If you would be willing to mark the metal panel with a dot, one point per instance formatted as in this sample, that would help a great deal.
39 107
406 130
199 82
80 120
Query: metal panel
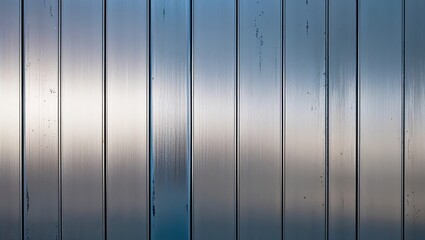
260 119
127 179
304 168
10 120
170 119
342 118
380 119
214 118
41 201
81 119
415 120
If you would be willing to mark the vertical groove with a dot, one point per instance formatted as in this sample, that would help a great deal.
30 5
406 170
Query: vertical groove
191 82
357 122
148 149
327 119
283 114
59 117
189 123
403 111
104 121
237 120
149 126
22 118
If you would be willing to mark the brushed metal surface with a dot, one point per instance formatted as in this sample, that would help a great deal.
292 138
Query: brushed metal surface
170 148
380 119
260 119
82 119
10 120
214 119
342 119
414 198
41 148
126 82
304 168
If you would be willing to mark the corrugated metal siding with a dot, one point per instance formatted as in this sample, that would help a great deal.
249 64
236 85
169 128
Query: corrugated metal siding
200 119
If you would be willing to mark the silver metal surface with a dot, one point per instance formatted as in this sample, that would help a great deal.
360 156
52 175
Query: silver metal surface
304 169
82 119
260 119
221 119
414 154
10 120
214 119
127 166
342 119
380 119
170 119
41 58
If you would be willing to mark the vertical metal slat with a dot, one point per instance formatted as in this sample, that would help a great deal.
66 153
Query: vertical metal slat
380 95
10 119
305 213
414 198
170 119
82 119
214 116
41 205
342 118
260 119
126 109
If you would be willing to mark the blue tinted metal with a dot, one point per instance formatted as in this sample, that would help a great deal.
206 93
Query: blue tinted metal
380 119
170 119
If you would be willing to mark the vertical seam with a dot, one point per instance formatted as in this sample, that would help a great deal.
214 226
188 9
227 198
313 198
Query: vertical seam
59 115
283 114
104 121
358 99
327 119
237 210
191 81
22 184
147 91
403 111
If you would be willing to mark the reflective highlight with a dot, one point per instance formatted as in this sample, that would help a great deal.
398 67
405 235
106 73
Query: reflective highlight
127 183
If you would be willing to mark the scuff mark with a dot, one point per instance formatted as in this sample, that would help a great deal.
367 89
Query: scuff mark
28 200
260 40
51 11
306 28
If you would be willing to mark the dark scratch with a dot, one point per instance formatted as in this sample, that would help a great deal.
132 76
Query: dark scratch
28 200
306 27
